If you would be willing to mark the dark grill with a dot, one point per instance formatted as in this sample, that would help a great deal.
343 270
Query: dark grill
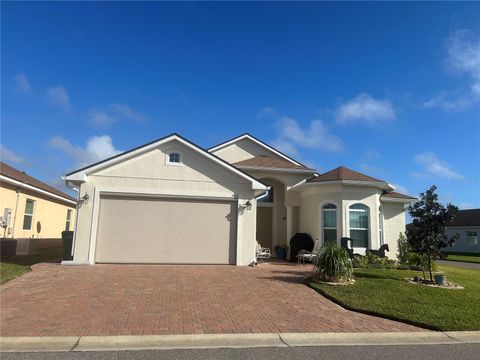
300 241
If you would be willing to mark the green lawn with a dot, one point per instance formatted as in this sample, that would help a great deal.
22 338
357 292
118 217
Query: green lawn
12 268
385 293
465 258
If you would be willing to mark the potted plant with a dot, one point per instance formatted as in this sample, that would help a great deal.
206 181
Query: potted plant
281 251
440 278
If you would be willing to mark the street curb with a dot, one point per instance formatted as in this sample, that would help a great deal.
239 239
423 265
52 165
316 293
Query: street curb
212 341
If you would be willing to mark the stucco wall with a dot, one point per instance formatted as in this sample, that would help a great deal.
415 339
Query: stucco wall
461 245
242 150
149 174
393 225
311 216
343 196
51 214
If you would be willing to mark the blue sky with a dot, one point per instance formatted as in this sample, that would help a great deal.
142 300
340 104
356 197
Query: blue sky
388 89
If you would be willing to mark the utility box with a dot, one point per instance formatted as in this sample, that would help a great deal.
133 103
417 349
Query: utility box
27 246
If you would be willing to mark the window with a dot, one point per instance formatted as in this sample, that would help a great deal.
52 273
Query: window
69 217
174 158
28 217
472 238
329 223
358 215
268 198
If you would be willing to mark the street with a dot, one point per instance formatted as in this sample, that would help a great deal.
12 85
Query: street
424 352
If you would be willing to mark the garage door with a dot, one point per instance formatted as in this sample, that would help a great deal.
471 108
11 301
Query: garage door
168 231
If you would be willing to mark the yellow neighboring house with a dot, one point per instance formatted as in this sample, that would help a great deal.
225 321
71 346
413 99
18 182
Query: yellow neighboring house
35 209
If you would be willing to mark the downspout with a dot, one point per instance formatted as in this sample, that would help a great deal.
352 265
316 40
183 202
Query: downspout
69 184
15 214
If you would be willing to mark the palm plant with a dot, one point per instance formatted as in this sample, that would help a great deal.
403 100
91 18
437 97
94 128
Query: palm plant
333 263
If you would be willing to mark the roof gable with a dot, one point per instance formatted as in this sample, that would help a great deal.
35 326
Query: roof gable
267 149
80 175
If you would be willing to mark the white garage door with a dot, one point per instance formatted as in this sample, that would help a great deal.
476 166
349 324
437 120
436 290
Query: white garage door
166 231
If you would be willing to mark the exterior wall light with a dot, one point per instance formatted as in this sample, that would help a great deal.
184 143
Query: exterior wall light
85 198
248 205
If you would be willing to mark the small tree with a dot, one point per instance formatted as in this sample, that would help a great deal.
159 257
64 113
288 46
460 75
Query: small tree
427 235
403 249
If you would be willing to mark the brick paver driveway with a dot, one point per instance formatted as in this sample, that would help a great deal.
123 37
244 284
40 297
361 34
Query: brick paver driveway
55 300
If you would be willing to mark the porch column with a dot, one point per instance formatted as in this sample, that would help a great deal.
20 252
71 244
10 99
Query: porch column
290 223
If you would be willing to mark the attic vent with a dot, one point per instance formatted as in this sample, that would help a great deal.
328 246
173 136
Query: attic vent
263 156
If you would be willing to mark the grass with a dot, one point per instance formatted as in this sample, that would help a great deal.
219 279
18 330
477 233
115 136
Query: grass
20 264
384 293
464 258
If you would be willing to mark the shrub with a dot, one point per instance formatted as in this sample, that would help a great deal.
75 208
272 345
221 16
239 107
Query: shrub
403 249
333 263
372 261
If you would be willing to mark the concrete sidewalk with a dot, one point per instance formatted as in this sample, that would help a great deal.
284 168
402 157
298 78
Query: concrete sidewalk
212 341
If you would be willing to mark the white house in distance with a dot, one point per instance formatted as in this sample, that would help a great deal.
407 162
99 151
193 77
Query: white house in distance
171 201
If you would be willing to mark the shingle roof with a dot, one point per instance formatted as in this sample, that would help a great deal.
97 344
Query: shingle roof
268 162
21 176
470 217
343 173
396 195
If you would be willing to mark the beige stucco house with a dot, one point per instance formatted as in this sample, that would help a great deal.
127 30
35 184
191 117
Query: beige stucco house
171 201
32 209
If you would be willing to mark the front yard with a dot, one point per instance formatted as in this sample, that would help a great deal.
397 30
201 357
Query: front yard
385 293
20 264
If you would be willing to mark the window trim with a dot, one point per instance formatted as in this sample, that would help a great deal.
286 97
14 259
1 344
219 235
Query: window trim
31 215
68 220
365 209
173 163
323 210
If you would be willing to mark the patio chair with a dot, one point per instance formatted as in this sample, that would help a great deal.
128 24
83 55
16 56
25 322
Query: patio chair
262 253
304 255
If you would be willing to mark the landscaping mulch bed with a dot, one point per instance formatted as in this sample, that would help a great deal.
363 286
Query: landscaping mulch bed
448 284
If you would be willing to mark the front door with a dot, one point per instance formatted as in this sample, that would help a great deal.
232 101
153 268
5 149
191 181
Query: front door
264 226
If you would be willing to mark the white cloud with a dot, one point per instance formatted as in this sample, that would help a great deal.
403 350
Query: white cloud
433 166
268 111
316 136
114 113
9 156
22 84
463 57
58 96
369 169
97 148
101 118
463 48
449 103
365 108
128 113
401 189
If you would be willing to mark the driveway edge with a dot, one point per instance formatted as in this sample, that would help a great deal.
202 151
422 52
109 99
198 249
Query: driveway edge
211 341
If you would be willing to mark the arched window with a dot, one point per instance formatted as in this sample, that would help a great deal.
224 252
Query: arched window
358 216
329 223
